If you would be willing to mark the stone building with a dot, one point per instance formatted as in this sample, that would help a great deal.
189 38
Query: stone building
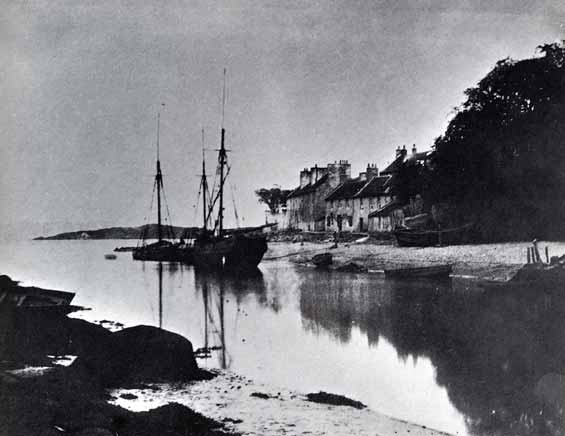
306 206
349 205
391 214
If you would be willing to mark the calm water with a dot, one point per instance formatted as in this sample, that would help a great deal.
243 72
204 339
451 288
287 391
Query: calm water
442 355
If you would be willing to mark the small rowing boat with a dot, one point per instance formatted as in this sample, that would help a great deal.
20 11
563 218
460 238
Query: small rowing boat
322 260
435 271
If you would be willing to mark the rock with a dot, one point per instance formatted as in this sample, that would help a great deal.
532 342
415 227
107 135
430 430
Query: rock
260 395
140 354
129 396
335 400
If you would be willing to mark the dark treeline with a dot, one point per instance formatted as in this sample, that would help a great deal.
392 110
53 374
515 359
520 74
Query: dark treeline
501 161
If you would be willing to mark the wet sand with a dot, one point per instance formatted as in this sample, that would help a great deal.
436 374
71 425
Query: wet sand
228 399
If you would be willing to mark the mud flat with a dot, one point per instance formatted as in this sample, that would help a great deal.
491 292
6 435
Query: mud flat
481 261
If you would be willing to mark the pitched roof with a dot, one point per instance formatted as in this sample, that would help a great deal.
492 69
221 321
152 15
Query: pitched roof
347 189
391 205
378 185
394 166
310 187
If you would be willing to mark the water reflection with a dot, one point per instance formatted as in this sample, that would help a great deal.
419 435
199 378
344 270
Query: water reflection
491 351
215 290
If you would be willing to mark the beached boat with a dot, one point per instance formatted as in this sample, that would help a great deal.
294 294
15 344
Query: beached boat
14 295
433 271
163 250
428 238
218 249
322 260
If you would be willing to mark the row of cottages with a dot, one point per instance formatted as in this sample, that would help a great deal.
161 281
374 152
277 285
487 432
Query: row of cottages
306 205
328 199
348 207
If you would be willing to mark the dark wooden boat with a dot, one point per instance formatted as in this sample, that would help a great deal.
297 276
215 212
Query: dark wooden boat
435 271
429 238
230 252
322 260
14 295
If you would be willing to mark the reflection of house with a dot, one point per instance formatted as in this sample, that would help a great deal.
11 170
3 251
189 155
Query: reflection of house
306 206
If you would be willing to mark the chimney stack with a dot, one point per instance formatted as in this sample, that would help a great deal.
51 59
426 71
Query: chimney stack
372 171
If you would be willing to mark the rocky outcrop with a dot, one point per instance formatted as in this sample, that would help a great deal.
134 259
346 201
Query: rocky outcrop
141 354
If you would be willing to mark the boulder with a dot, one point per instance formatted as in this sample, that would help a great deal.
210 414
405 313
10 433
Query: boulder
140 354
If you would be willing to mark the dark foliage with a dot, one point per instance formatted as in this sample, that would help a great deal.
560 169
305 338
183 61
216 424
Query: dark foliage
501 161
274 198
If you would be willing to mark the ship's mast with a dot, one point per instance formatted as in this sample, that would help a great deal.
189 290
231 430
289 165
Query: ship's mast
204 185
222 162
159 182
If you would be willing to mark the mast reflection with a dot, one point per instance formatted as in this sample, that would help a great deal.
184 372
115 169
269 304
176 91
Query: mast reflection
214 290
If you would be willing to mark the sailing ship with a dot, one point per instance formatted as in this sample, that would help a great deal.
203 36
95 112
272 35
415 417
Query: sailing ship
220 250
163 250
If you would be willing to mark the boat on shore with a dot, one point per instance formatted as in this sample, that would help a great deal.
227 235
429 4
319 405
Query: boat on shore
406 237
322 260
12 295
433 271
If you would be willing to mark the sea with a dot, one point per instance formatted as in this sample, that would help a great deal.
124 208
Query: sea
446 355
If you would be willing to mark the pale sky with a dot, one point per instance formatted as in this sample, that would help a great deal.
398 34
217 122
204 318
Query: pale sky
308 82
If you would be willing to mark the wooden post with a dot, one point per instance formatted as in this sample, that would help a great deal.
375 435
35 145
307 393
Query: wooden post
547 254
537 257
528 254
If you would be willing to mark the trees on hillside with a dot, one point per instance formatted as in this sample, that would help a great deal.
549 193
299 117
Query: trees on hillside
501 161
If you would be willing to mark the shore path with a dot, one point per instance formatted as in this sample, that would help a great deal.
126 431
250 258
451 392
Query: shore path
481 261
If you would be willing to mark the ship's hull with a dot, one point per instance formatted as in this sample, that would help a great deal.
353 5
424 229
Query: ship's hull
164 253
430 238
238 252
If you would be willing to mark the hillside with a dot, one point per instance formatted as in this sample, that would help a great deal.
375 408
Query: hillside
150 231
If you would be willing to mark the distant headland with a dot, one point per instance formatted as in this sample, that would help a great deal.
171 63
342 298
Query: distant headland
148 230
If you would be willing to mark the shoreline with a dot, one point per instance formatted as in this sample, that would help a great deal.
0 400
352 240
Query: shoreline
497 262
54 397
